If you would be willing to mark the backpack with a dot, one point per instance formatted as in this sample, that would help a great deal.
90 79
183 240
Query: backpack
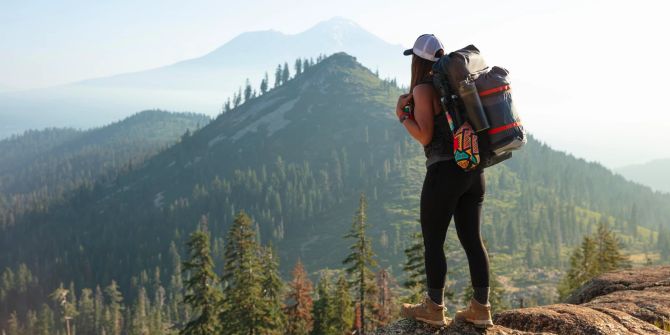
502 130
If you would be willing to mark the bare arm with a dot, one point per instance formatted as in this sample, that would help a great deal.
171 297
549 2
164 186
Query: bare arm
421 128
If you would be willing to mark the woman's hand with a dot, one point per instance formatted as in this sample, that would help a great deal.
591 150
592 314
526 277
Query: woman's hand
403 100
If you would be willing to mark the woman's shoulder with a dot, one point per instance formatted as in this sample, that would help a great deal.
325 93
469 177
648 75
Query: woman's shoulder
423 90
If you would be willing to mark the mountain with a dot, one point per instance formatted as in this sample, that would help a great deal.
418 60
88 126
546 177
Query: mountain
40 166
200 84
296 159
653 174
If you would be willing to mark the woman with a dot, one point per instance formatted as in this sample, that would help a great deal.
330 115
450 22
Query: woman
447 191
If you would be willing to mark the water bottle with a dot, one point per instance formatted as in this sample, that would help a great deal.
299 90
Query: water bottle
474 110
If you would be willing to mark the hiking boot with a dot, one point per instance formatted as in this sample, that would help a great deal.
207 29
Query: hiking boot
427 311
477 314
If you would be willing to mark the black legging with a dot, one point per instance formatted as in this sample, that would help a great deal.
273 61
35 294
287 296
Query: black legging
448 190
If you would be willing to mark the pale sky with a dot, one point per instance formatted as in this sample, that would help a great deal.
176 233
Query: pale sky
599 63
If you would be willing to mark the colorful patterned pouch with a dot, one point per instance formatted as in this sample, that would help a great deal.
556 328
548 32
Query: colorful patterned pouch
466 145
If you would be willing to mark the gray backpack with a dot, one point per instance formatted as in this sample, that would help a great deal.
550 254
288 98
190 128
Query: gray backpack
497 123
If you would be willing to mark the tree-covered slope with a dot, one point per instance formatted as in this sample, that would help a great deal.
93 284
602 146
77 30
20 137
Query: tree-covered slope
40 166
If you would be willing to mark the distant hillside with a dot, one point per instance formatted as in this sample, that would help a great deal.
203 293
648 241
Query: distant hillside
296 158
201 84
44 164
655 174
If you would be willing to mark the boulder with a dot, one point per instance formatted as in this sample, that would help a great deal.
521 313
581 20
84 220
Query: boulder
634 301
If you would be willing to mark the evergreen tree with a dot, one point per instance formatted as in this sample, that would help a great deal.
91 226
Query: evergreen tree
360 263
176 310
264 84
247 90
31 322
285 74
299 306
414 268
114 313
201 293
597 254
322 308
237 98
274 319
243 303
278 76
139 325
608 250
45 321
66 307
13 325
342 307
298 66
86 319
227 106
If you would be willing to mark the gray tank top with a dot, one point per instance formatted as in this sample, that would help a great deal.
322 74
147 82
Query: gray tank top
441 146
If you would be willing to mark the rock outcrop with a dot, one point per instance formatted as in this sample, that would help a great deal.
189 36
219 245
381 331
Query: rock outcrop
635 301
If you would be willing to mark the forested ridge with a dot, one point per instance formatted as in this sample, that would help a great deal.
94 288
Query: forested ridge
40 167
295 157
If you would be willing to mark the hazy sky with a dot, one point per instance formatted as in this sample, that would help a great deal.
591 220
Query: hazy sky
600 63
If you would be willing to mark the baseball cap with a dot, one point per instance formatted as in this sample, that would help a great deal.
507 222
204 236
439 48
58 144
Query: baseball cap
426 46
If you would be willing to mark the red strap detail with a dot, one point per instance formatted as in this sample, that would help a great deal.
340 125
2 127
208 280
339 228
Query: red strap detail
496 130
494 90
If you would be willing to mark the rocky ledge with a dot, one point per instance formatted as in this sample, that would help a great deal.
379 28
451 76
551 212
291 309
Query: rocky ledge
635 301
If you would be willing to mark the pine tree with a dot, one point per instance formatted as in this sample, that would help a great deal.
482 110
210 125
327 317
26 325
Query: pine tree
274 319
176 310
285 74
45 321
86 319
278 77
360 263
31 323
247 90
66 307
114 322
322 307
201 293
226 106
598 253
243 304
342 307
298 66
264 84
13 325
237 98
299 306
608 251
138 325
414 268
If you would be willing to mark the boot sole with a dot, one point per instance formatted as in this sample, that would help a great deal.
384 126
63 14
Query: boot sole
432 322
484 324
481 323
